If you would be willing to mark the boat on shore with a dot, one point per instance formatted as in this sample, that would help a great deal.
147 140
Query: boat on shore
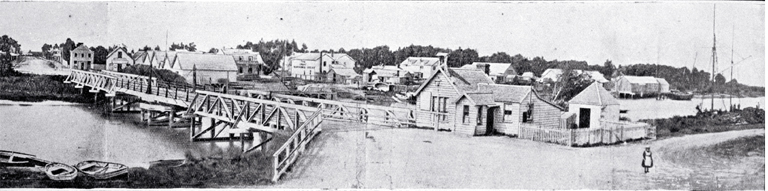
677 95
167 163
101 170
17 159
61 172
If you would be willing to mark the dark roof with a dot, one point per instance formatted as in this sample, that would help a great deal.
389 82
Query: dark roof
140 55
120 48
469 78
481 98
506 93
594 94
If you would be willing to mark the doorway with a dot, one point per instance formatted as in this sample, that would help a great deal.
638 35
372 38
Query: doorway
584 117
489 123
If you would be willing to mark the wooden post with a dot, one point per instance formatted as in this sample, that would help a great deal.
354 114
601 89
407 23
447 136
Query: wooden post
142 114
114 102
170 118
149 118
213 130
242 142
192 128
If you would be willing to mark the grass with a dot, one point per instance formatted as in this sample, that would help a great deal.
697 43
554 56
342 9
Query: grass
741 147
709 122
36 88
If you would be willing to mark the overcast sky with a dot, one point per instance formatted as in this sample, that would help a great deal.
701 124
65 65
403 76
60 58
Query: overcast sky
670 33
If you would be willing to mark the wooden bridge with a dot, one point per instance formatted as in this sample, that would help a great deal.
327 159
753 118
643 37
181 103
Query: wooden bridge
259 117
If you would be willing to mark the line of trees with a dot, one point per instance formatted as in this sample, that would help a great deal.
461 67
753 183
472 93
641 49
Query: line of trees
8 45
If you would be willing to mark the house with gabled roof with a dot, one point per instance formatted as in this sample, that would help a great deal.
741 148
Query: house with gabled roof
637 86
118 59
499 72
422 67
81 58
343 76
467 101
315 66
593 105
205 68
248 61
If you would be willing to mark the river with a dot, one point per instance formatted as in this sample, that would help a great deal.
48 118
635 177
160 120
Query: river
69 133
652 108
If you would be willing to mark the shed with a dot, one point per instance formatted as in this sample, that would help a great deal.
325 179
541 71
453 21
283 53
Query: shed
592 105
663 85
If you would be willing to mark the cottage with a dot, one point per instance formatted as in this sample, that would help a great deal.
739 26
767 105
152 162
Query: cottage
140 58
209 68
81 58
118 59
637 86
468 102
342 76
248 62
551 75
314 66
499 72
387 74
592 105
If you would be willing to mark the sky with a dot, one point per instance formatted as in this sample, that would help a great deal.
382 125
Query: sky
670 33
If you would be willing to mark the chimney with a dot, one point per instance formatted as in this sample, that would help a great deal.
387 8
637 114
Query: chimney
443 64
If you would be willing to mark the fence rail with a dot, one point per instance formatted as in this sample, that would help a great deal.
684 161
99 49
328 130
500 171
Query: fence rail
287 154
609 133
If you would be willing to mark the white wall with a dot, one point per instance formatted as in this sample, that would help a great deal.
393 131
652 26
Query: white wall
594 114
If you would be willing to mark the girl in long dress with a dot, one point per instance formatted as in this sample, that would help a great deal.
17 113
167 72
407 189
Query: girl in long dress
647 159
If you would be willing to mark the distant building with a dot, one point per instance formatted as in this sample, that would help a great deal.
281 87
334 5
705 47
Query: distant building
554 74
639 86
343 76
118 59
81 58
248 62
56 55
387 74
593 105
499 72
315 66
209 68
421 67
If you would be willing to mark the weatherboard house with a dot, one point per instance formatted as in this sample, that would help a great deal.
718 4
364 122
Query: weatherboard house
205 68
81 58
118 59
466 101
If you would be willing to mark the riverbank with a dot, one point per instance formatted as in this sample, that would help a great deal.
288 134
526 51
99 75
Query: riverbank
709 122
38 88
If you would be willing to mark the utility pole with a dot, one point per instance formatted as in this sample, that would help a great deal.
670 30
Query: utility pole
714 58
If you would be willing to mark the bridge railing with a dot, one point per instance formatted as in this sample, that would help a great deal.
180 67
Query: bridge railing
287 154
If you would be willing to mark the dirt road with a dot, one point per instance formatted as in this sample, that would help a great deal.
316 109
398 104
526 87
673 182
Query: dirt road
351 157
41 66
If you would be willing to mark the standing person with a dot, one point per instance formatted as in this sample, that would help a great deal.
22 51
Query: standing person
647 159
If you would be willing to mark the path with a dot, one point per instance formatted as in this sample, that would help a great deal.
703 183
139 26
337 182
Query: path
40 66
346 157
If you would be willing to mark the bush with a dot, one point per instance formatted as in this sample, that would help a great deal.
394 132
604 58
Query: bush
161 74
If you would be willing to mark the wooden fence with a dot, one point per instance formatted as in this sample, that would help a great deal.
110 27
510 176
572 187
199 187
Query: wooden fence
609 133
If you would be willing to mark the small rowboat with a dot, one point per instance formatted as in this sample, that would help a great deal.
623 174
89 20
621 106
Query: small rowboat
101 170
17 159
167 163
59 171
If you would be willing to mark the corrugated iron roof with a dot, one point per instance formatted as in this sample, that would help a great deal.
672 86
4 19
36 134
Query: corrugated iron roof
506 93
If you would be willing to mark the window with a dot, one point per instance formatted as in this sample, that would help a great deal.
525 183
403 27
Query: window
240 70
240 58
480 115
432 103
421 67
528 114
465 116
119 54
439 104
507 115
325 63
89 54
250 70
250 58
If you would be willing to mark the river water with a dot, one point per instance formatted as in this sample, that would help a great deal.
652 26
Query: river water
70 133
652 108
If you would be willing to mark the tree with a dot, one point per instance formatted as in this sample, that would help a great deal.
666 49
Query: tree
719 79
191 47
46 47
66 48
213 51
7 45
569 85
99 55
157 48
